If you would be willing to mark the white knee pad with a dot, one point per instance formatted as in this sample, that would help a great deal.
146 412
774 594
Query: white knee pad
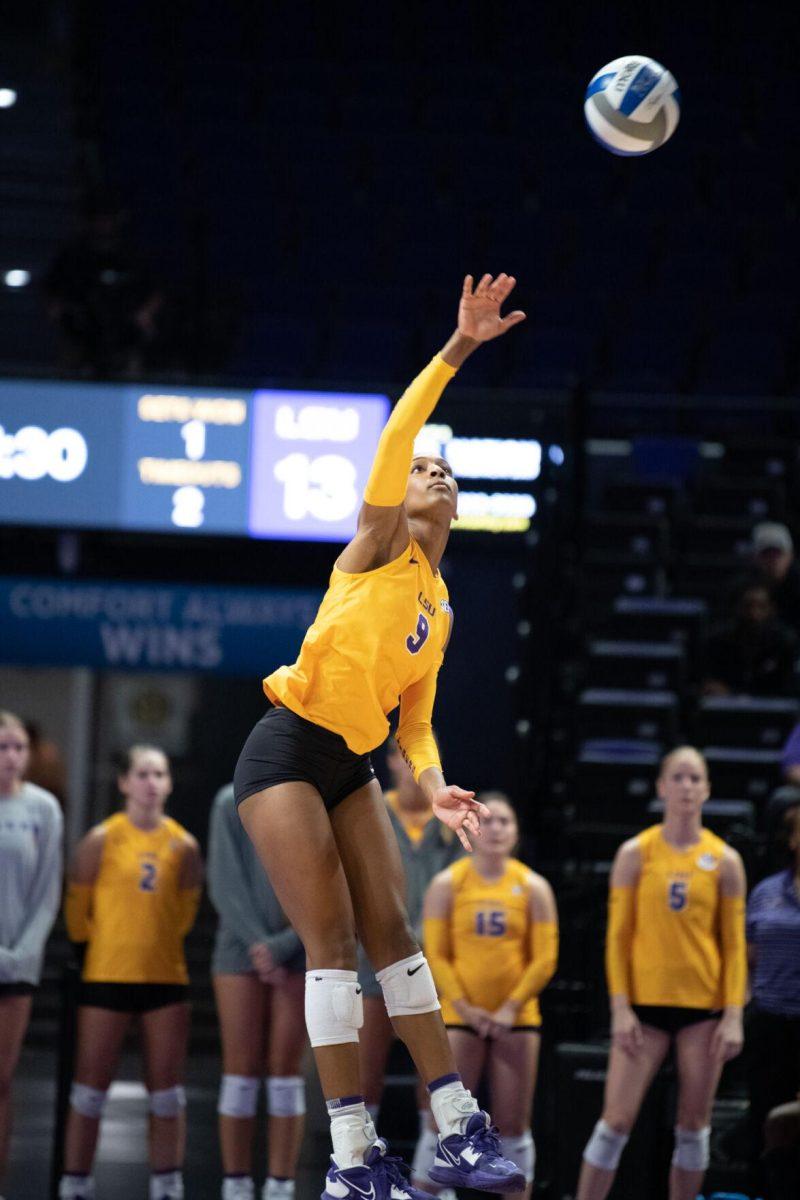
408 987
238 1096
334 1007
605 1146
424 1153
88 1101
522 1151
168 1102
691 1151
286 1095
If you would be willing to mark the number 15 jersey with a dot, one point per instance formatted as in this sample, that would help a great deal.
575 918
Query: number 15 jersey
136 921
675 954
375 634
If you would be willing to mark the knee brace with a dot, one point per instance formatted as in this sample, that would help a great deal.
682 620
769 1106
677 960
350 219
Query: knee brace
168 1102
238 1096
286 1095
605 1146
522 1151
691 1151
88 1101
424 1153
334 1007
408 987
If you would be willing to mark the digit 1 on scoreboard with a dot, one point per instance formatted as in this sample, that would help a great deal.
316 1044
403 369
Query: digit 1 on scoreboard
194 439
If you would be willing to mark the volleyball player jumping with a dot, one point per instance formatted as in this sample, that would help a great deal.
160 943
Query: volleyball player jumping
310 802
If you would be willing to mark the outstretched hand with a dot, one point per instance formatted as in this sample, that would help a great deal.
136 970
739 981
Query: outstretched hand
479 311
459 811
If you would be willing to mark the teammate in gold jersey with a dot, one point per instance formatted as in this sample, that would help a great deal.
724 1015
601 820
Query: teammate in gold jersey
133 895
677 969
491 935
314 811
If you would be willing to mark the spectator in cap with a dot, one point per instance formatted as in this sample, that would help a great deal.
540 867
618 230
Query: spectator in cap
754 653
776 566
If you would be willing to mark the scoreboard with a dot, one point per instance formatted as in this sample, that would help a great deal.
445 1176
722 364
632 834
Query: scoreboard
272 464
218 461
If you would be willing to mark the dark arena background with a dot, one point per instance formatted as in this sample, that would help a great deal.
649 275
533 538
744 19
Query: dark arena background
229 235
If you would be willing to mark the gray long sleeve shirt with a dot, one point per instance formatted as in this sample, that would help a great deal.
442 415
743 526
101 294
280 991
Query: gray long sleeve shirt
31 835
239 888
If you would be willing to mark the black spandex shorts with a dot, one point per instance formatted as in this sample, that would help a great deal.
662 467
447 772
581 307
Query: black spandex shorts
132 997
16 989
284 748
671 1019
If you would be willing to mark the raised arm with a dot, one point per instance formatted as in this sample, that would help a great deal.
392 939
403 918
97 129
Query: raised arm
382 527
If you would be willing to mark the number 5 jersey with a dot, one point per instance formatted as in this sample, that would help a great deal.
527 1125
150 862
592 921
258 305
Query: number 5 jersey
138 917
676 955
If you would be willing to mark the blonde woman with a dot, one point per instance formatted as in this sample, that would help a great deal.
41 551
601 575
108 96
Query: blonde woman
676 966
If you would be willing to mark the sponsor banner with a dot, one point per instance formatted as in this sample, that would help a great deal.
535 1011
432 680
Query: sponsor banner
152 626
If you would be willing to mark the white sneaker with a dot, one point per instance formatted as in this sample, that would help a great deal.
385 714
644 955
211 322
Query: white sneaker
278 1189
240 1188
448 1194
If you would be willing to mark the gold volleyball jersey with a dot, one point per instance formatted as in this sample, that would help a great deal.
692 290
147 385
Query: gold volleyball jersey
675 953
136 917
374 635
490 937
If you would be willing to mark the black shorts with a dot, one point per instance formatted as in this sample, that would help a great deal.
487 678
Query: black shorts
16 989
132 997
285 748
671 1019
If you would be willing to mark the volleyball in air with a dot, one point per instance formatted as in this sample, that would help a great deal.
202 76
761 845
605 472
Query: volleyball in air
632 105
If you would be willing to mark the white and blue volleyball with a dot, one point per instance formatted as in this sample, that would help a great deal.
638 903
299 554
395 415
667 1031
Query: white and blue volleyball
632 105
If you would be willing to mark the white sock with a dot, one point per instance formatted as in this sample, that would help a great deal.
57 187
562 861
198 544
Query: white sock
238 1187
372 1109
166 1185
278 1189
424 1153
72 1186
452 1106
352 1131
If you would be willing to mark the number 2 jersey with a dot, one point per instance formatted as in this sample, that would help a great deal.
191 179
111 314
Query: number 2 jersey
137 906
490 938
676 954
375 634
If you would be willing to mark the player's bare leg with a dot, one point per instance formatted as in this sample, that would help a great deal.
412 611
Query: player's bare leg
377 885
243 1009
15 1014
287 1041
165 1035
629 1076
513 1067
101 1034
698 1076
